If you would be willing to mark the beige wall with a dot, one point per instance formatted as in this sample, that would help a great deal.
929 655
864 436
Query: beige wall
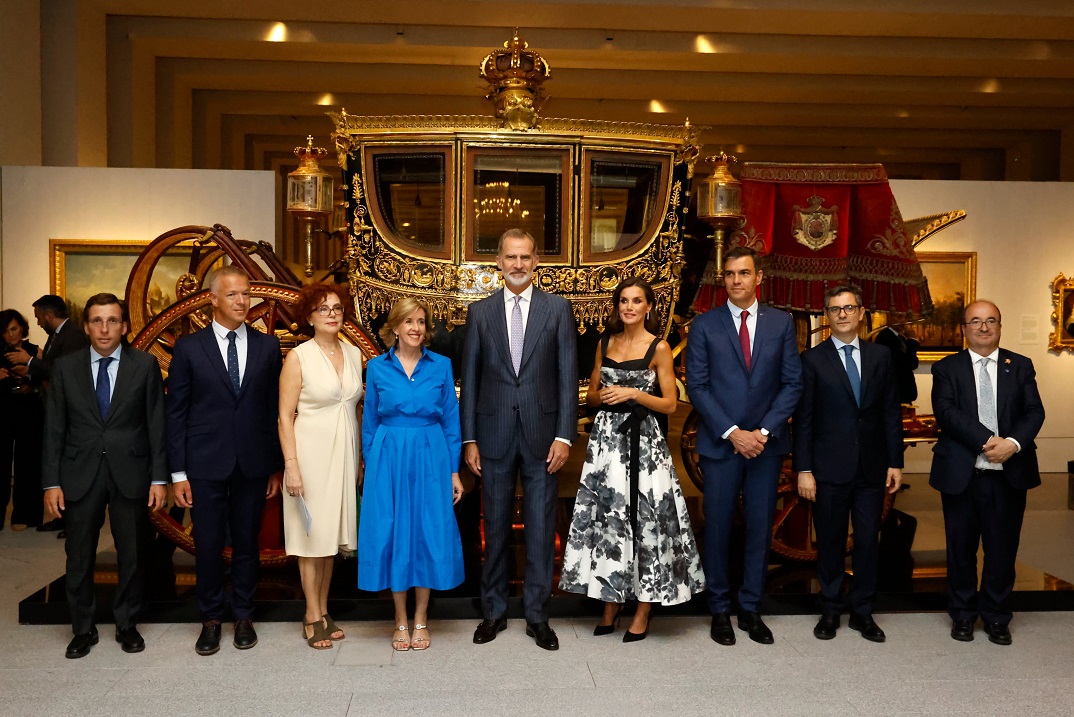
42 203
1021 233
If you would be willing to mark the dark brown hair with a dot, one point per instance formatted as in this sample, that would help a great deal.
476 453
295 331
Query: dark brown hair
842 289
312 296
615 324
9 315
738 252
103 299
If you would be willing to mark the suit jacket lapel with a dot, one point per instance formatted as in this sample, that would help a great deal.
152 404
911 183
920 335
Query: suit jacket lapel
759 335
1003 384
212 354
498 320
724 316
969 382
868 367
254 346
124 380
535 323
84 379
835 361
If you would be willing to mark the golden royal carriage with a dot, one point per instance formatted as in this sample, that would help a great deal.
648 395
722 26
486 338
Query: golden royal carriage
427 198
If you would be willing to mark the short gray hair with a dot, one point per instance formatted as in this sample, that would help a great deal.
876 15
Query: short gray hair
221 272
514 234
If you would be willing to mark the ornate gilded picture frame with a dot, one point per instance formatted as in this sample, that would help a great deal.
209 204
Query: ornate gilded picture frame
80 268
1062 337
952 277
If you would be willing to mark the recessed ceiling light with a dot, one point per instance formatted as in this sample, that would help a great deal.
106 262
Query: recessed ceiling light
278 33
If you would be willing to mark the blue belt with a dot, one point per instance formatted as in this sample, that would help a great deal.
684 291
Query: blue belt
408 421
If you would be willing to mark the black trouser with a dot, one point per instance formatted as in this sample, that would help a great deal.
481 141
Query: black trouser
859 502
20 444
989 513
129 521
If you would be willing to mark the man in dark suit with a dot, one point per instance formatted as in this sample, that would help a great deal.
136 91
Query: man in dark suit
519 416
104 448
744 378
224 450
64 337
847 450
989 412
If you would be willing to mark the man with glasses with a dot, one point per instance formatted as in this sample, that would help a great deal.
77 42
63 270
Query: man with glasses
104 448
988 410
847 451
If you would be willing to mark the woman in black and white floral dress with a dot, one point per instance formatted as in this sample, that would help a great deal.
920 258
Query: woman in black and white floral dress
630 537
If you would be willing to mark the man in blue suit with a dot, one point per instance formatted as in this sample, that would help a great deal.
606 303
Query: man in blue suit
224 449
744 378
519 411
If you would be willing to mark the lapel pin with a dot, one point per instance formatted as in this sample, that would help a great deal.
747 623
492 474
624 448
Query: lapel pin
1006 360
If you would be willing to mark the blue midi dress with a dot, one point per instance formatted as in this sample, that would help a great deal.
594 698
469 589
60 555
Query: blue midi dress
407 534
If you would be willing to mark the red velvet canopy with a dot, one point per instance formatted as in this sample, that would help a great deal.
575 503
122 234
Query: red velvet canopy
821 225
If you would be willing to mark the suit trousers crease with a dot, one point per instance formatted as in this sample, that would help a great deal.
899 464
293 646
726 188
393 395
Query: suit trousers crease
129 522
232 506
858 503
989 514
756 479
539 493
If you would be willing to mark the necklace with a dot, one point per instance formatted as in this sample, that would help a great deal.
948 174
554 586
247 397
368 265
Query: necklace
323 349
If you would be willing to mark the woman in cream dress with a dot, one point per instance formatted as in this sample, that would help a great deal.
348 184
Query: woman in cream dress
320 386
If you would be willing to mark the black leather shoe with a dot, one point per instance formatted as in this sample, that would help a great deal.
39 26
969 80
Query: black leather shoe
962 630
80 645
245 637
721 631
826 627
752 623
543 635
209 641
50 526
866 625
130 639
998 634
488 629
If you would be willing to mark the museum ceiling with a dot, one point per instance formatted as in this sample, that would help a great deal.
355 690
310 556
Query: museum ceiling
973 89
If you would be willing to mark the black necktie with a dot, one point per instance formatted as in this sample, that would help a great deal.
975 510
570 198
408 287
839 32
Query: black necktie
233 360
104 386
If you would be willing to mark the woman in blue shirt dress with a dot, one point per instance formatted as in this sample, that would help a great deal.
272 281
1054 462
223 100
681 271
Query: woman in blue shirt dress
407 534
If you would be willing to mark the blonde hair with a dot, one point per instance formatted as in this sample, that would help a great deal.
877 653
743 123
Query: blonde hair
400 310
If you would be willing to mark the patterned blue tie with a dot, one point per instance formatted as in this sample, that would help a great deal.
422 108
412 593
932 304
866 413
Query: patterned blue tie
233 360
517 337
852 373
104 386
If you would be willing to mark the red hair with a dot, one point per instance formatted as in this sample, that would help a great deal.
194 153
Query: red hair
312 296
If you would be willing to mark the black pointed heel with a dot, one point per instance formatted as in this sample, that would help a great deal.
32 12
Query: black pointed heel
609 629
629 636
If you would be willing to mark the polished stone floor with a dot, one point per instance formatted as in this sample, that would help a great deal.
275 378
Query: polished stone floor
678 670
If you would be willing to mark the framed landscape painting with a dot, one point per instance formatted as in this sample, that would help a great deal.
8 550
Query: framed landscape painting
952 277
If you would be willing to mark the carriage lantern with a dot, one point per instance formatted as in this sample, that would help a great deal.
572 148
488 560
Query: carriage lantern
309 194
719 201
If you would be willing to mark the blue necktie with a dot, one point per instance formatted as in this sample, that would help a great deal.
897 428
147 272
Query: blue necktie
852 373
233 360
104 386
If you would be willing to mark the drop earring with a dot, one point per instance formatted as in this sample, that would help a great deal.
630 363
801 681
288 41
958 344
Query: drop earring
647 315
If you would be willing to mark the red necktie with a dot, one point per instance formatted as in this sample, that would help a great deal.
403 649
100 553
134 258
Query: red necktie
744 339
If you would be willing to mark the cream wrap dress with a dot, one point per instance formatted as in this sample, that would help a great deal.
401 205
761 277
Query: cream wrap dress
328 441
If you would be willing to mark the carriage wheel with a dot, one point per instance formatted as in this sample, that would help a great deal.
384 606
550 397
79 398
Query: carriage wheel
194 312
792 526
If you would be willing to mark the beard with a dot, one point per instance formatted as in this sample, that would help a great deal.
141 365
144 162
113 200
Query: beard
518 282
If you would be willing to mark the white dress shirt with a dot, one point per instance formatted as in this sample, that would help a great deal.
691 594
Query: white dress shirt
993 373
524 307
855 354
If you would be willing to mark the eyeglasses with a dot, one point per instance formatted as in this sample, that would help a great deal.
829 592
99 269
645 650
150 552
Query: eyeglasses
978 323
329 310
836 310
98 322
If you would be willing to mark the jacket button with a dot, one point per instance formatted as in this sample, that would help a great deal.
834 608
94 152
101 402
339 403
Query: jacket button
515 407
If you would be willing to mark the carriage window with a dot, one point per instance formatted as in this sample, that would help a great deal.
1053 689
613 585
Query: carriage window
518 191
622 202
410 191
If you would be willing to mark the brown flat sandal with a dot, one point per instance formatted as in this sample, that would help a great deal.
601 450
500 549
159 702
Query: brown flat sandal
401 641
319 635
332 628
423 640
